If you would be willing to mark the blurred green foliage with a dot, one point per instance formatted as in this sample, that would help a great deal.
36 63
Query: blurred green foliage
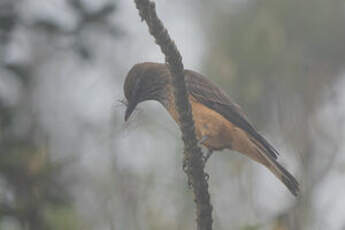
63 218
251 227
34 193
32 186
270 46
31 182
280 60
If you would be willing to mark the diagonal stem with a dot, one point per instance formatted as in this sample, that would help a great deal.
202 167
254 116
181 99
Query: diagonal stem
192 153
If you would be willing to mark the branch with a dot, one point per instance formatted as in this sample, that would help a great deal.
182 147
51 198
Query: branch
192 153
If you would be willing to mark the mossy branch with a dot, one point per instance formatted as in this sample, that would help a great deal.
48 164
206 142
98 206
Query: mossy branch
192 153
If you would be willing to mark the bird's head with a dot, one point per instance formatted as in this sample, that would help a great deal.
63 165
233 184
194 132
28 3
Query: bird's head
145 81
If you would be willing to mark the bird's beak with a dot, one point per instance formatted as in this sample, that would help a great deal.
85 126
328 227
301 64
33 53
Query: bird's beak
130 108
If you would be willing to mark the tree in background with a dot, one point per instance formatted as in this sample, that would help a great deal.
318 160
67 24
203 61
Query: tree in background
280 60
34 190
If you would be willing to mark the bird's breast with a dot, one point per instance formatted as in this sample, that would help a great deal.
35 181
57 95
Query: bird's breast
208 123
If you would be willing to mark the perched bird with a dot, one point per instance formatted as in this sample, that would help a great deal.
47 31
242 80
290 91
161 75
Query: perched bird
219 122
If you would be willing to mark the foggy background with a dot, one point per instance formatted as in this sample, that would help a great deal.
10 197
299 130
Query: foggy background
68 160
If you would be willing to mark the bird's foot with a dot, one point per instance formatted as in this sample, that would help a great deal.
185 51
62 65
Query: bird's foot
202 140
207 155
209 152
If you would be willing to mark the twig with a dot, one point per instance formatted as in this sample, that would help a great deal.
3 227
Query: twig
192 153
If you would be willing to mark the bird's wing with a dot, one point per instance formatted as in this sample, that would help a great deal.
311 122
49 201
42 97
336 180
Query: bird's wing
215 98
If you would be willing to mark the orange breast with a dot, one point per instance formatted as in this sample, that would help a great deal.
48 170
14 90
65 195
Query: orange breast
218 130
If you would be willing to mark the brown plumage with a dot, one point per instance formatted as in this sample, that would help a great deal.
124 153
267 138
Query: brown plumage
219 122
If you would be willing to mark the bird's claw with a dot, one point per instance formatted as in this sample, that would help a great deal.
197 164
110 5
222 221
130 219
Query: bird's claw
207 155
202 140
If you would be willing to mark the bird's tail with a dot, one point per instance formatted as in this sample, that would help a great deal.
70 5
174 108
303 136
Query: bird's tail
253 148
284 176
278 170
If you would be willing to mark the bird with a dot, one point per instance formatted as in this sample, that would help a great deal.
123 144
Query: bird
220 123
